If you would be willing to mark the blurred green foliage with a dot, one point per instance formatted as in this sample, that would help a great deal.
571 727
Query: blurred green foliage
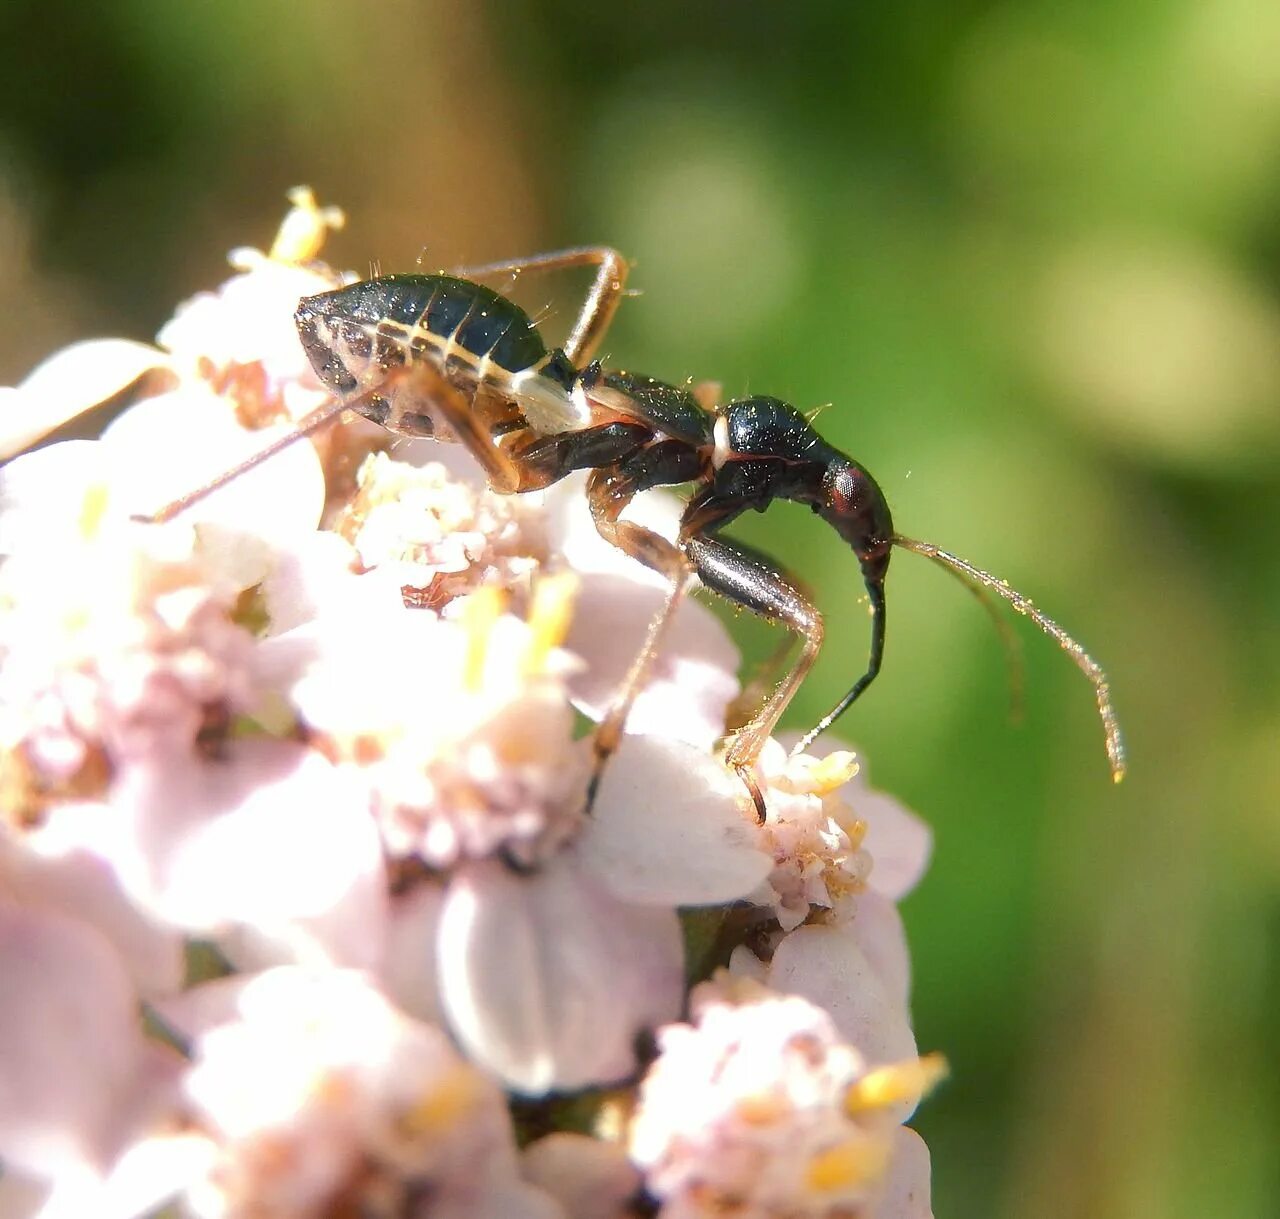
1030 253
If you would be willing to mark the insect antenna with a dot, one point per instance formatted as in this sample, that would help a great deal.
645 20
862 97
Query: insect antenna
308 424
975 576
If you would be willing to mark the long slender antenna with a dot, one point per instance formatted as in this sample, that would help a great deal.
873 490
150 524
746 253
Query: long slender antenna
309 423
1083 661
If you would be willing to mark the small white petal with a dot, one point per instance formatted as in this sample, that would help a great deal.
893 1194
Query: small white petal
500 1199
693 679
671 829
898 841
174 443
69 1042
409 961
907 1186
590 1179
42 494
271 838
66 865
826 966
546 980
314 575
148 1174
876 927
69 383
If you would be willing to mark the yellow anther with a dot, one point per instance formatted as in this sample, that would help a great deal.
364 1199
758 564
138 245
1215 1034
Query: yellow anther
896 1083
549 619
613 1117
93 507
857 1161
451 1098
855 831
759 1110
480 614
304 228
827 774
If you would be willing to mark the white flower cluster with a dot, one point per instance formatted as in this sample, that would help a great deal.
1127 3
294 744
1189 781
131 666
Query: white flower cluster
297 886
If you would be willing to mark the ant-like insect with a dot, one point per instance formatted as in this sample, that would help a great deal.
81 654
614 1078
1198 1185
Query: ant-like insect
443 356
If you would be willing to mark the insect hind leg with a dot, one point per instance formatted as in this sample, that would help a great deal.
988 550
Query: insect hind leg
602 299
609 492
311 423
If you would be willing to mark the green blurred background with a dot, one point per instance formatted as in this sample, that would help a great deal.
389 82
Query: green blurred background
1030 252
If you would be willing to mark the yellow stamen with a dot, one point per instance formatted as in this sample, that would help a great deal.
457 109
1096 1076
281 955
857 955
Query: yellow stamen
93 507
855 831
304 228
613 1118
833 771
549 620
759 1110
895 1083
451 1098
480 614
857 1161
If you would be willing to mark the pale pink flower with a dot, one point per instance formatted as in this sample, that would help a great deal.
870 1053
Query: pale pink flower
64 864
241 338
833 839
265 848
77 1078
238 343
590 1178
113 652
319 1096
760 1107
844 854
555 936
440 536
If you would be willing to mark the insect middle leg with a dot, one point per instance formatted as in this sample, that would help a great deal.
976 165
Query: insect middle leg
601 302
751 581
609 491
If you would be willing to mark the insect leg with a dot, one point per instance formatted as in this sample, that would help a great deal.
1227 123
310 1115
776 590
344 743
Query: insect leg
608 493
307 425
767 674
427 384
543 460
751 581
601 302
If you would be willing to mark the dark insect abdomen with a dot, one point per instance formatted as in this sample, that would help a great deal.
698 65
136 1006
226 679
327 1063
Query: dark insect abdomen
384 321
